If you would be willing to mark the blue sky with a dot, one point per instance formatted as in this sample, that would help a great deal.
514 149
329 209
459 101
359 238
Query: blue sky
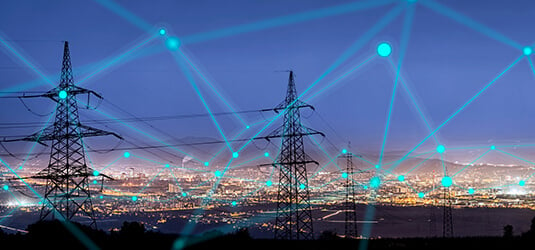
444 65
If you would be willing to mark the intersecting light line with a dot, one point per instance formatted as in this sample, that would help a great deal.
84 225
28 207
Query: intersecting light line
201 75
471 163
343 76
111 163
462 19
321 148
9 214
385 20
443 165
284 20
38 137
413 100
460 109
531 65
143 133
25 60
407 24
151 180
426 159
515 156
129 16
113 61
189 76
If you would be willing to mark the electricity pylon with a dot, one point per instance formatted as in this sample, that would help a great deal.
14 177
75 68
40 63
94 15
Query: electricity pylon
350 205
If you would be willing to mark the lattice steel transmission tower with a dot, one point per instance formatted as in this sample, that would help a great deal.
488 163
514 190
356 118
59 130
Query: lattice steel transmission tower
350 205
67 175
294 215
447 218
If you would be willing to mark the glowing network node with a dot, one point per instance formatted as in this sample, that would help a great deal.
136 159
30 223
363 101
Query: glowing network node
266 154
184 194
101 197
134 198
384 49
62 94
269 183
162 31
96 173
233 203
172 43
302 186
375 182
247 127
344 151
377 166
94 181
522 183
421 195
235 155
401 178
447 181
6 187
527 51
492 147
126 154
206 163
365 187
167 165
217 173
441 149
471 191
344 175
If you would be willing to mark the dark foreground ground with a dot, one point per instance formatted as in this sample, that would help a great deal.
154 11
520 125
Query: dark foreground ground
58 235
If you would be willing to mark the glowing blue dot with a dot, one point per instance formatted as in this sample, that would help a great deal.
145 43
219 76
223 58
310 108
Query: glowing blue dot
247 127
167 165
471 191
172 43
217 173
447 181
162 31
206 163
441 149
184 194
375 182
492 147
62 94
233 203
134 198
377 166
522 183
401 178
344 151
96 173
126 154
235 155
528 51
101 197
384 49
6 187
95 182
302 186
365 187
266 154
269 183
344 175
421 195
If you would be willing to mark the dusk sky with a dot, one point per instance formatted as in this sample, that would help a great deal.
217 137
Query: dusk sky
445 64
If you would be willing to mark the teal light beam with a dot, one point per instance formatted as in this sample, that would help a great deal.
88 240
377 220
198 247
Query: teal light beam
38 137
460 109
189 76
413 101
385 20
531 65
111 163
407 24
116 60
26 61
426 159
9 214
129 16
343 76
284 20
471 163
151 180
201 75
141 132
464 20
515 156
